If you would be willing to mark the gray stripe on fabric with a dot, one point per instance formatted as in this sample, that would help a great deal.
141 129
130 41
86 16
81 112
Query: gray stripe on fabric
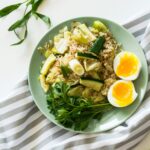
90 140
34 136
133 146
137 21
103 148
22 83
133 138
50 139
139 32
118 146
147 95
147 47
15 98
27 127
32 111
17 110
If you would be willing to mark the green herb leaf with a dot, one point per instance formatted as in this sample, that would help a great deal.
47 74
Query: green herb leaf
21 22
65 71
44 18
7 10
98 45
75 112
36 4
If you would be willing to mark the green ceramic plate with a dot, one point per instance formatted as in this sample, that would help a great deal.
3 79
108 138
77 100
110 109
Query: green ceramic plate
113 118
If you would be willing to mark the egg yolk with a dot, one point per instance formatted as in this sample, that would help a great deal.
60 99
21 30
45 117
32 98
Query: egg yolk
128 65
123 93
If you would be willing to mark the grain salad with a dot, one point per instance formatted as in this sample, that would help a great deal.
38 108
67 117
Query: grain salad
73 59
85 74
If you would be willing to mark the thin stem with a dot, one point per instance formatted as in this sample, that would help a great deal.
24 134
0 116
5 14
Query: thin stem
25 10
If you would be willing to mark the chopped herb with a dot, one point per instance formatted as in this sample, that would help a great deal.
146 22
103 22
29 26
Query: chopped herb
75 112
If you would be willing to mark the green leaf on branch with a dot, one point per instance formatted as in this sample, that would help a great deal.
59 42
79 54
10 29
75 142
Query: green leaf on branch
36 4
44 18
21 22
7 10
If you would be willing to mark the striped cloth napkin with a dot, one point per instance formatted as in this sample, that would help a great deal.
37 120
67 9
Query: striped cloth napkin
23 127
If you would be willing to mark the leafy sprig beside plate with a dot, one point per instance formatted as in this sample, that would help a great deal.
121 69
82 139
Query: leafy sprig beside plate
31 7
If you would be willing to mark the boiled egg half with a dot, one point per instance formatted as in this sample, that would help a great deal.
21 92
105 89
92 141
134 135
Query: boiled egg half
127 65
122 93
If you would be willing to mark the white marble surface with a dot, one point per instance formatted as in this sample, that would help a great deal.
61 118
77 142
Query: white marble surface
14 60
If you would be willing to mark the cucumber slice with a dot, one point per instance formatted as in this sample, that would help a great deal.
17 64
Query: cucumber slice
92 83
86 55
98 45
75 91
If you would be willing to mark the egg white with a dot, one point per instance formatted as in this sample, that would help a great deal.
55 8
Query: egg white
112 100
117 62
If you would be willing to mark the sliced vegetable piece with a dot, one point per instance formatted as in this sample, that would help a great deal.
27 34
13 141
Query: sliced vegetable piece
58 37
63 30
59 78
67 35
87 92
87 32
61 46
86 55
79 36
98 45
100 26
50 77
99 98
76 67
94 30
76 91
44 85
92 83
91 65
48 63
47 53
54 50
65 71
94 75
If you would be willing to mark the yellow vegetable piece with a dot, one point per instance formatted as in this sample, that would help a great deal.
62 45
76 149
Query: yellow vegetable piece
100 26
44 85
47 53
79 36
91 84
76 67
67 35
61 46
76 91
87 32
54 50
89 66
87 92
48 63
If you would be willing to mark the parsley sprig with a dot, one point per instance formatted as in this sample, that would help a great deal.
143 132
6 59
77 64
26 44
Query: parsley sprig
31 7
75 112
